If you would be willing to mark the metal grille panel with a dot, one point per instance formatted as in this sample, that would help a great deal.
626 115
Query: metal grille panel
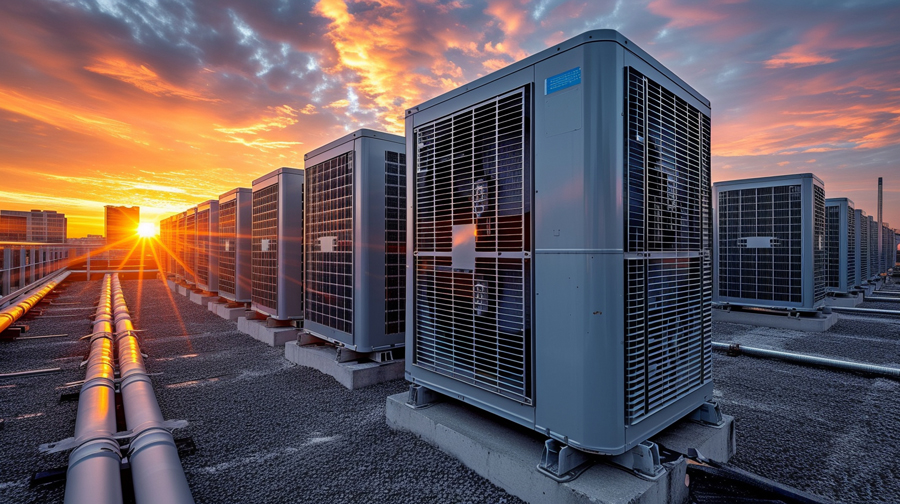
472 169
203 247
833 246
394 242
264 247
851 247
668 271
864 249
329 243
819 252
227 245
190 245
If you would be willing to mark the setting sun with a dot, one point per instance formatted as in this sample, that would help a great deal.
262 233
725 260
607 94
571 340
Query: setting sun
146 229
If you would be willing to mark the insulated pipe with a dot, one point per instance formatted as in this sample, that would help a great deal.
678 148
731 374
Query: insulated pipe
94 468
888 299
864 311
10 314
155 467
809 359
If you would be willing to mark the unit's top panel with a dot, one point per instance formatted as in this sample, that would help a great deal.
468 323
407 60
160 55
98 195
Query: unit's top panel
769 181
839 201
230 195
361 133
283 170
207 205
861 212
593 36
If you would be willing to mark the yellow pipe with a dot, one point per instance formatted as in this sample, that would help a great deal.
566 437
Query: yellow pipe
11 314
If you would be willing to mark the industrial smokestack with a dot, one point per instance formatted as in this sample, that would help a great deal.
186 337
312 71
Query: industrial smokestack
880 235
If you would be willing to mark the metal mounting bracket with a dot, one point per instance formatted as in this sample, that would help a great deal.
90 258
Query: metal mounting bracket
643 460
708 413
561 462
421 397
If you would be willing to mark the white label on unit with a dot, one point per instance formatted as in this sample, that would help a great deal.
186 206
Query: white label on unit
326 243
265 245
758 242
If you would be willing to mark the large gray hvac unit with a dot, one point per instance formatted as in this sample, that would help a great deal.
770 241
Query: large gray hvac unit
207 245
235 213
179 246
189 248
840 243
277 244
559 244
770 242
887 237
861 237
874 272
355 225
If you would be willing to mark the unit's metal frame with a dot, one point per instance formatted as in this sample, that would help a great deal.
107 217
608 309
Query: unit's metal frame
234 244
189 246
840 218
365 325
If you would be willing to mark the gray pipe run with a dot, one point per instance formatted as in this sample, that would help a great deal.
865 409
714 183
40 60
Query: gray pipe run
155 467
881 298
93 474
864 311
809 359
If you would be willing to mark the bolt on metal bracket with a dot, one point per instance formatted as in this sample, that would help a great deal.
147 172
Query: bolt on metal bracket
421 397
643 460
561 462
708 413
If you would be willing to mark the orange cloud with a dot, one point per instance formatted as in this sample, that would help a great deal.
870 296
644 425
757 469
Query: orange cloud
142 78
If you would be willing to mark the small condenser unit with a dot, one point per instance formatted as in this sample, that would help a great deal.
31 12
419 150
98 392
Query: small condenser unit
355 226
840 243
559 243
235 212
861 237
770 242
190 246
277 244
207 245
179 246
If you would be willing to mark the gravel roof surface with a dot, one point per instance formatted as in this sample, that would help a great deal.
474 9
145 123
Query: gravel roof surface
831 433
269 431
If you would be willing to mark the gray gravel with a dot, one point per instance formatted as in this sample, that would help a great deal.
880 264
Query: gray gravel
830 433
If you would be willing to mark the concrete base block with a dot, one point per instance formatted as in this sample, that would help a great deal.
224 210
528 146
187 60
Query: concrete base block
848 301
200 299
222 310
819 323
272 336
353 375
507 455
172 285
184 291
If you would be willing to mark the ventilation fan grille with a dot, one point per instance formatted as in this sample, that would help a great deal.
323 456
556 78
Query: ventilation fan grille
668 269
190 245
864 249
851 247
819 252
472 171
264 247
329 243
203 247
227 245
394 242
833 246
179 245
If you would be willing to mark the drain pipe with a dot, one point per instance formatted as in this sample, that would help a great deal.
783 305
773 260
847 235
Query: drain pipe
155 467
94 468
859 367
10 314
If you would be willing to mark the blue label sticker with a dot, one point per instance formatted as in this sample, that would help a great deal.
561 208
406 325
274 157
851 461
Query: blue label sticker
562 81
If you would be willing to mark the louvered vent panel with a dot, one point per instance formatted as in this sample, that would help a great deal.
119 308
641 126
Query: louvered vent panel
394 242
668 272
179 245
833 246
203 247
864 249
227 244
264 247
190 245
851 247
873 247
819 251
472 169
329 243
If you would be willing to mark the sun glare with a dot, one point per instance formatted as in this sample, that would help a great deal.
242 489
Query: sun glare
146 229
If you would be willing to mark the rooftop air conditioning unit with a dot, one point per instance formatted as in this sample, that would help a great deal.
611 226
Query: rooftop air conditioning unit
207 245
887 237
190 246
861 237
355 225
235 212
539 189
770 242
179 246
873 248
277 244
840 231
166 262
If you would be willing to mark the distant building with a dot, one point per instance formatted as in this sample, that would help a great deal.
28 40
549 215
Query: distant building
121 225
45 226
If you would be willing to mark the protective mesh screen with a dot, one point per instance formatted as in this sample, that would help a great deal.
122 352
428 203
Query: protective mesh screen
264 247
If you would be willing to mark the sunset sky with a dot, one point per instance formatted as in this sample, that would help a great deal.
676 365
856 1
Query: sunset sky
166 103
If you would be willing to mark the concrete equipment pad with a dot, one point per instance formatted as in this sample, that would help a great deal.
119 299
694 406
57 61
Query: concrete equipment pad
846 301
183 290
200 299
272 336
222 310
507 455
353 375
819 323
172 285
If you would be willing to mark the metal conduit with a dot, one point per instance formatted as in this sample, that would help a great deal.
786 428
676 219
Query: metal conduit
888 299
10 314
94 468
809 359
155 467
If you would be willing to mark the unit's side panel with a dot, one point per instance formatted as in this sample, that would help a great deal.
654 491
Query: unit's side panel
849 239
833 247
203 248
243 241
818 243
264 247
290 246
227 247
190 247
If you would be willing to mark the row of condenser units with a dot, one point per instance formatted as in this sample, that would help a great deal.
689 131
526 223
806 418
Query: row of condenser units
541 241
779 243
